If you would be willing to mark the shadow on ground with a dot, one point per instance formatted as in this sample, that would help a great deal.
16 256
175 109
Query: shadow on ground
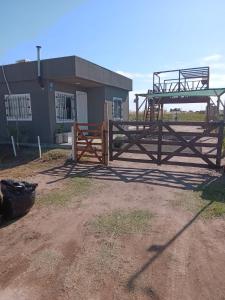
159 249
212 188
153 176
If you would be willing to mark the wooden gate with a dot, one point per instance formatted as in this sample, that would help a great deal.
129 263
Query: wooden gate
180 143
90 142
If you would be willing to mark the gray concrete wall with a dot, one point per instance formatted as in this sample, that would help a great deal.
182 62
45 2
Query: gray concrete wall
98 96
96 100
28 130
111 92
91 71
60 87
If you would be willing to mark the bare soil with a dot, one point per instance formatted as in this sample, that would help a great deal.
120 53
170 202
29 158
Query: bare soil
52 253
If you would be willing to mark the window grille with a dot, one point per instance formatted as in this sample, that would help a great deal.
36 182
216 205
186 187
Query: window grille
18 107
117 108
64 107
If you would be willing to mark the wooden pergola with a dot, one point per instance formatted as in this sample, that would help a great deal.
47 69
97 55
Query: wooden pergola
189 86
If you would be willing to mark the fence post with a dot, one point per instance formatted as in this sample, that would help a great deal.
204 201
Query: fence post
159 143
105 134
74 141
110 140
219 144
13 145
39 146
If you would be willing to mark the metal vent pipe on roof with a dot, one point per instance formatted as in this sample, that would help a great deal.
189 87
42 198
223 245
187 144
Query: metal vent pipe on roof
39 66
38 60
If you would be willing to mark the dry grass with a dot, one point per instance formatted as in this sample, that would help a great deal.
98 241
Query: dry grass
208 197
72 189
182 116
27 164
55 154
119 222
44 262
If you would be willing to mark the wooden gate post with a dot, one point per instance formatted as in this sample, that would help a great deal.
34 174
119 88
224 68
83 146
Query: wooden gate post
74 141
105 141
159 143
110 140
104 137
220 144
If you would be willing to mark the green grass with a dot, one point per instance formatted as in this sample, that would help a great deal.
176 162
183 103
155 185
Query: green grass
215 192
182 116
72 188
215 210
119 222
208 197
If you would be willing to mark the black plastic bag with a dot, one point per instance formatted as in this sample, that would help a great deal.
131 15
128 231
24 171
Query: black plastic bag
18 198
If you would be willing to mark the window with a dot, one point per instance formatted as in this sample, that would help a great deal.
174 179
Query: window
64 107
18 107
117 108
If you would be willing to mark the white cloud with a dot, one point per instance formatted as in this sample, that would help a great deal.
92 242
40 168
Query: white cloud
133 75
217 80
212 58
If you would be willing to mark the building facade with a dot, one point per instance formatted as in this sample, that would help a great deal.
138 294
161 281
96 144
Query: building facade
69 89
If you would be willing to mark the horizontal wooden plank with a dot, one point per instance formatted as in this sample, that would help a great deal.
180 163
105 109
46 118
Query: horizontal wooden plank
89 150
167 142
88 124
165 153
93 156
177 123
90 130
167 133
85 143
89 137
176 163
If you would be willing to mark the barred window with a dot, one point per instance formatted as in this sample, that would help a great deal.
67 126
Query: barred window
117 108
64 107
18 107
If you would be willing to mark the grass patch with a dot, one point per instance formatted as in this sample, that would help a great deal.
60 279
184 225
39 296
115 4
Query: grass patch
210 197
72 188
215 192
118 222
107 256
170 116
55 154
214 210
27 163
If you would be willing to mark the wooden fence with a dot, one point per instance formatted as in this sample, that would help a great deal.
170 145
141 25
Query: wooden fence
167 142
90 142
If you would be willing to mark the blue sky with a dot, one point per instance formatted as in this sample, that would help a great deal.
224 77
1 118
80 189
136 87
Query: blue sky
134 38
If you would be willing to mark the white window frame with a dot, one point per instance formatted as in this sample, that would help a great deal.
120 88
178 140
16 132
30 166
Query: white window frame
18 107
121 101
61 96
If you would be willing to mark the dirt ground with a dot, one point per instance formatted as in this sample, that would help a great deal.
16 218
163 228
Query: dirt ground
51 253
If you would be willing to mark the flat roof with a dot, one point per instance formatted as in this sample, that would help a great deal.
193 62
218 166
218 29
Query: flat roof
212 92
68 69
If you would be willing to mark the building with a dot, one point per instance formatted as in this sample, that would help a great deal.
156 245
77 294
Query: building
41 98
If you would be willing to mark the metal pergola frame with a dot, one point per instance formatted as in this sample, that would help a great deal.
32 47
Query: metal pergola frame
201 93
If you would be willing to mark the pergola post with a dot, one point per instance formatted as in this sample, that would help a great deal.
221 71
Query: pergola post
152 113
218 107
161 111
137 107
208 110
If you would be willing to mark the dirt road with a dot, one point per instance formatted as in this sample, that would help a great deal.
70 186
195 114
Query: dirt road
52 253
